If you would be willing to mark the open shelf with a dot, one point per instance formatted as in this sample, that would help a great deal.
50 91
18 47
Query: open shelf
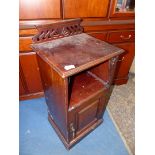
83 86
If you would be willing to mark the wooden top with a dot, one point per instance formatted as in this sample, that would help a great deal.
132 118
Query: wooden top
80 51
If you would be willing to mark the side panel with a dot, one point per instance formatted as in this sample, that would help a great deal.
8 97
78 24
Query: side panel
124 62
55 89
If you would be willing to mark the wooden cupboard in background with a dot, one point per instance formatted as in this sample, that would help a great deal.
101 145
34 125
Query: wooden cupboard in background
108 20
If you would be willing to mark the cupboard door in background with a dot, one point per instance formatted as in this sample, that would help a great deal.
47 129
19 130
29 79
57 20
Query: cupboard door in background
39 9
31 73
124 62
85 8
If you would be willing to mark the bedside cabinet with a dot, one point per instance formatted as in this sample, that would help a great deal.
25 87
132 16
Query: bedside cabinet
77 71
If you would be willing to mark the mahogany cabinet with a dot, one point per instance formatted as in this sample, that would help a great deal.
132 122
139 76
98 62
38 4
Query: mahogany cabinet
77 71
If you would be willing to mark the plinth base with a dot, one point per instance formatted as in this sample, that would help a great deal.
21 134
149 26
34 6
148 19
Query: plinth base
77 138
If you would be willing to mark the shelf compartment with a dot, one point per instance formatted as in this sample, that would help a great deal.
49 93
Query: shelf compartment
82 87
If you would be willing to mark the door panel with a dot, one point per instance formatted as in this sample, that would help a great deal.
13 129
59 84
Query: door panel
39 9
85 8
87 115
31 73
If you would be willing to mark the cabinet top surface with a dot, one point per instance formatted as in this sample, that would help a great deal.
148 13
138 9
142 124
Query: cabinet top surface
70 55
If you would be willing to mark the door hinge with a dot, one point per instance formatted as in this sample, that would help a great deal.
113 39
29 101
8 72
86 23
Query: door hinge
72 130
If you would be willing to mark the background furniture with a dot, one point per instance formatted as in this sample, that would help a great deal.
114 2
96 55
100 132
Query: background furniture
108 20
76 97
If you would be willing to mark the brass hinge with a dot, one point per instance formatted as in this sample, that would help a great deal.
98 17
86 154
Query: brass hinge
72 130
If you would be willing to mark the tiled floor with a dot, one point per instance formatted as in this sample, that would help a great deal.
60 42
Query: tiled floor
37 137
